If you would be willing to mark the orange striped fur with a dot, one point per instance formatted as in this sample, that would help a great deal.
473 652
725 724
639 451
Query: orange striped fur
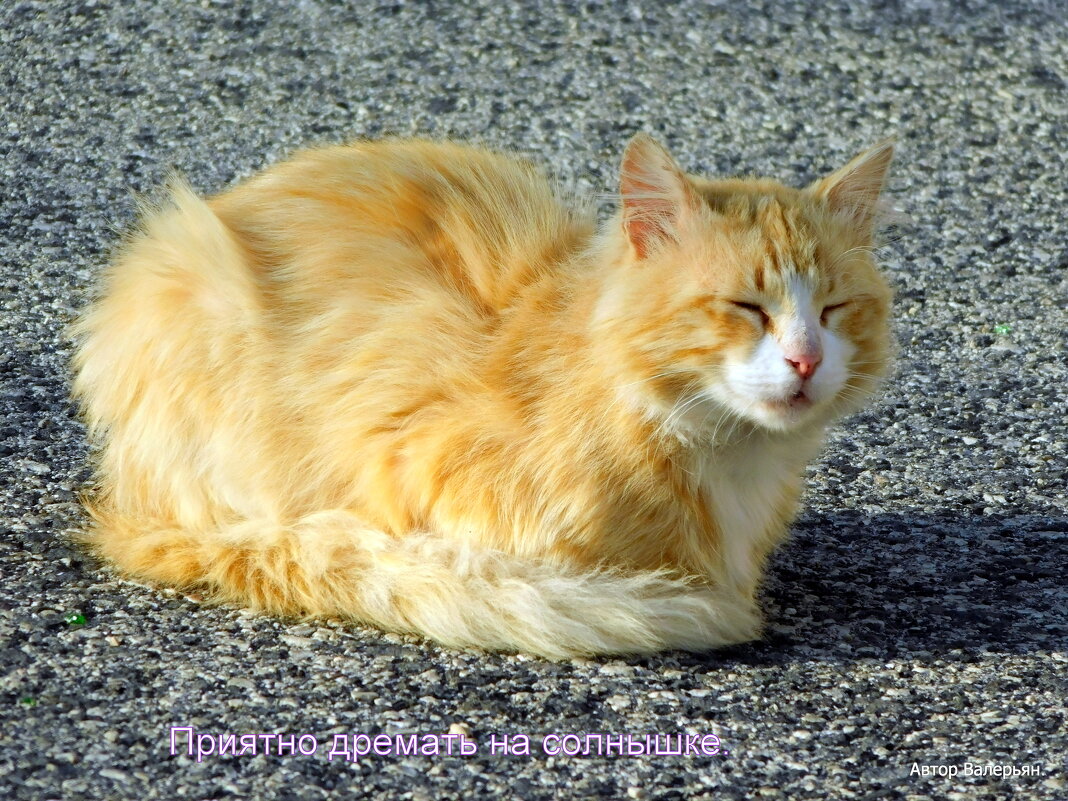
402 383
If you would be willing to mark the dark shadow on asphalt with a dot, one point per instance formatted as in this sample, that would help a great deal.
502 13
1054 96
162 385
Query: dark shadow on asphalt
895 586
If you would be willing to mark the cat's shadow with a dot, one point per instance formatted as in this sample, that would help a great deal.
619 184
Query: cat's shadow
893 586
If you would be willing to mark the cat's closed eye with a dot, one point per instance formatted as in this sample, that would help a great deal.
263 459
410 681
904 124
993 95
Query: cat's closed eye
829 311
753 309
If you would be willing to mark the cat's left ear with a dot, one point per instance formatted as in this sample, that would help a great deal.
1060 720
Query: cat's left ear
655 194
853 190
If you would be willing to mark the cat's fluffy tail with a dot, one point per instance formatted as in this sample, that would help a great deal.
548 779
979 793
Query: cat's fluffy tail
331 564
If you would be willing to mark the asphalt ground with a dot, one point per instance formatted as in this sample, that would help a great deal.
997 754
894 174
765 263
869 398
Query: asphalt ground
918 645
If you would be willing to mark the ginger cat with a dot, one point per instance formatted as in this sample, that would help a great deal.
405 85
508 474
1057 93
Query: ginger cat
402 383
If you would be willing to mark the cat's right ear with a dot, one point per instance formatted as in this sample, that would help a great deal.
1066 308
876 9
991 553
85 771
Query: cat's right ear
655 194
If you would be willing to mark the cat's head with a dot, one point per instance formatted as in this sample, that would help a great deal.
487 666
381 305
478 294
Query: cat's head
743 299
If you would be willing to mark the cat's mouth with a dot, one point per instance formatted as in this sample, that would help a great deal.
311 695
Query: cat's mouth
791 404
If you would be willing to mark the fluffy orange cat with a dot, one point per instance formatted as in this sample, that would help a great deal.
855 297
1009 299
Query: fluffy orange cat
402 383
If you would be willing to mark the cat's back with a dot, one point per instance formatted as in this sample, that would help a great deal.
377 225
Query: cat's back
317 292
381 218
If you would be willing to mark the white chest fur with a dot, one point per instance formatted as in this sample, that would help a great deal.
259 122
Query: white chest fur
749 488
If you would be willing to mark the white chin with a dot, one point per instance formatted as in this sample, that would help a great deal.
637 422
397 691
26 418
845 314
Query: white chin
782 413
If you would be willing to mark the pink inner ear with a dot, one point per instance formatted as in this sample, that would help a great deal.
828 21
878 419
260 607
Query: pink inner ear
653 192
648 216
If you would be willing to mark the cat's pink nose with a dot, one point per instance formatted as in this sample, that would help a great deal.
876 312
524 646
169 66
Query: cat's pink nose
805 364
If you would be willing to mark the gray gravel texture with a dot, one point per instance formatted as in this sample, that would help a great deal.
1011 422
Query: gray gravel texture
920 613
